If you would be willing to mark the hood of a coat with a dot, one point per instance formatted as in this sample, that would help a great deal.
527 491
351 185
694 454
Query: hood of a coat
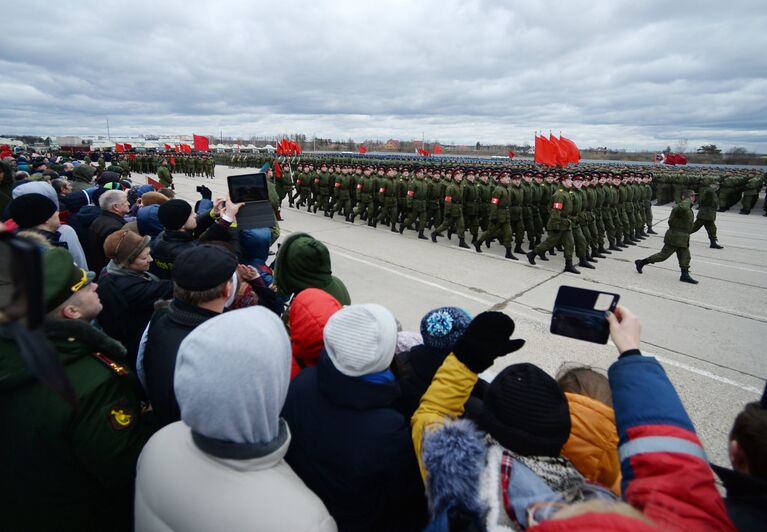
304 262
148 221
309 312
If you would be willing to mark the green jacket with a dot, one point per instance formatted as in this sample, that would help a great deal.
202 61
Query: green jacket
417 194
708 203
69 468
469 199
163 175
453 198
561 209
679 225
516 198
500 200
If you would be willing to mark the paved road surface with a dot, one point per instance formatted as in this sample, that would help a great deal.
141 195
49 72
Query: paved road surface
709 337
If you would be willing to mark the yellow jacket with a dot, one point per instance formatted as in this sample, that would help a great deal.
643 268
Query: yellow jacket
448 392
593 442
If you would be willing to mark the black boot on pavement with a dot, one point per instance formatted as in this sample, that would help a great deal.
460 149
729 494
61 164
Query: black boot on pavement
640 263
510 255
715 245
478 246
685 277
422 236
434 236
462 243
650 231
583 263
518 249
570 268
531 257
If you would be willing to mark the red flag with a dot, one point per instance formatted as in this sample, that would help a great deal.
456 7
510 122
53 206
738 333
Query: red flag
511 154
119 147
363 149
560 153
168 147
200 143
544 151
277 169
423 152
172 161
437 149
156 184
128 146
573 153
186 147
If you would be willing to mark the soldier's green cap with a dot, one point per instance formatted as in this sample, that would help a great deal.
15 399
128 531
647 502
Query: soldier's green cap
62 278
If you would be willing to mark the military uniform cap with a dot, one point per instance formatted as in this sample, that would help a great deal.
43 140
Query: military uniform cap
62 278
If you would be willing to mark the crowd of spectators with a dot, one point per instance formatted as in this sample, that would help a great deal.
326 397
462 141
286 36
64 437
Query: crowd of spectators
218 389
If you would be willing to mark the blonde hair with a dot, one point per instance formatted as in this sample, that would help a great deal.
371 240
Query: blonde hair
584 380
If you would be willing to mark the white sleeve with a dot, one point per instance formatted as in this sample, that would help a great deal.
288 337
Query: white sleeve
69 235
140 358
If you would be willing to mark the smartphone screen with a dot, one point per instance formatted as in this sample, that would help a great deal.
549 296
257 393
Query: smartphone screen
248 187
580 313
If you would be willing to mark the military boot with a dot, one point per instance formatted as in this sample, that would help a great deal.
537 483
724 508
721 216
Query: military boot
401 228
612 246
685 277
640 263
351 217
603 251
583 263
394 226
477 246
531 257
589 257
434 236
518 249
595 254
449 233
650 231
715 244
553 252
542 256
462 243
570 268
422 236
510 255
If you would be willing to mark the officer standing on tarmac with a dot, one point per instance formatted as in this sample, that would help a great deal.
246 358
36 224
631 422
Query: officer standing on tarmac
707 208
676 240
559 226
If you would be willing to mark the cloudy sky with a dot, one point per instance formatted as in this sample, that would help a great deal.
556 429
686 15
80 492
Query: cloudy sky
626 74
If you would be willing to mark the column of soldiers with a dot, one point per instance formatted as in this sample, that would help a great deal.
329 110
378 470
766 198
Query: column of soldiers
191 165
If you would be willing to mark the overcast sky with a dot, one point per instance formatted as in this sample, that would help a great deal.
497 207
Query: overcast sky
625 74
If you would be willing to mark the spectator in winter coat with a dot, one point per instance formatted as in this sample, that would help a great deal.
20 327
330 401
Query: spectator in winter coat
221 467
304 262
37 213
128 291
203 284
350 445
593 442
147 222
666 480
415 369
114 206
746 482
310 311
183 228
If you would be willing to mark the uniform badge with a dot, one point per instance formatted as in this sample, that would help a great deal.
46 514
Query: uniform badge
120 415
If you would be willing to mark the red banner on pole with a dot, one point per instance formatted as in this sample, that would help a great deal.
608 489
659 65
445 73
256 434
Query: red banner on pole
200 143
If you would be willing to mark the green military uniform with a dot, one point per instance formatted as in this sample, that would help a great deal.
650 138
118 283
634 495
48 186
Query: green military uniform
453 219
387 196
676 240
469 200
516 210
484 191
559 229
417 197
707 208
578 220
366 189
342 194
434 213
323 181
164 176
499 226
69 467
403 183
750 194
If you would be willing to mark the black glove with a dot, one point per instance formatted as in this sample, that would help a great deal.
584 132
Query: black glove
486 338
205 192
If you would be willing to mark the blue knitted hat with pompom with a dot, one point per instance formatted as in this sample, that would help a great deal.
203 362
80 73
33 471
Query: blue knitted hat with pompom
442 327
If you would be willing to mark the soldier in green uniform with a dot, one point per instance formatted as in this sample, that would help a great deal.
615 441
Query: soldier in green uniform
342 193
558 227
124 167
164 176
516 211
527 210
597 185
71 466
387 196
676 240
665 192
417 196
647 202
469 201
729 192
750 194
323 181
484 191
579 220
304 185
403 183
101 163
498 214
453 218
707 208
433 212
366 189
537 194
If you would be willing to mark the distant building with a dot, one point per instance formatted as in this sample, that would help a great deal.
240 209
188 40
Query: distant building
392 144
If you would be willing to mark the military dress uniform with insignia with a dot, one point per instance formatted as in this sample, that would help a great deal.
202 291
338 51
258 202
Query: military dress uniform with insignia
69 467
559 229
453 219
417 197
499 215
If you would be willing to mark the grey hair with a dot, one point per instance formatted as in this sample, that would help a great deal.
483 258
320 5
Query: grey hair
110 197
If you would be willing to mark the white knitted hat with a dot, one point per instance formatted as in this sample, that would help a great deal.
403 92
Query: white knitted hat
360 339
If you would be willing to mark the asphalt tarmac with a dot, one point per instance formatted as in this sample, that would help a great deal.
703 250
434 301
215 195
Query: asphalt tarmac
709 337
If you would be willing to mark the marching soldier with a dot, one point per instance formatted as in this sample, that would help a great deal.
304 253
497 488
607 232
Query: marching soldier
559 226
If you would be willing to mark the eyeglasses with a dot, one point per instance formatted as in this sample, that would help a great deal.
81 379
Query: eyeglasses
82 282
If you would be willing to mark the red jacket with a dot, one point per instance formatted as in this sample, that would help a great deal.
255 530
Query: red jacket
309 312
